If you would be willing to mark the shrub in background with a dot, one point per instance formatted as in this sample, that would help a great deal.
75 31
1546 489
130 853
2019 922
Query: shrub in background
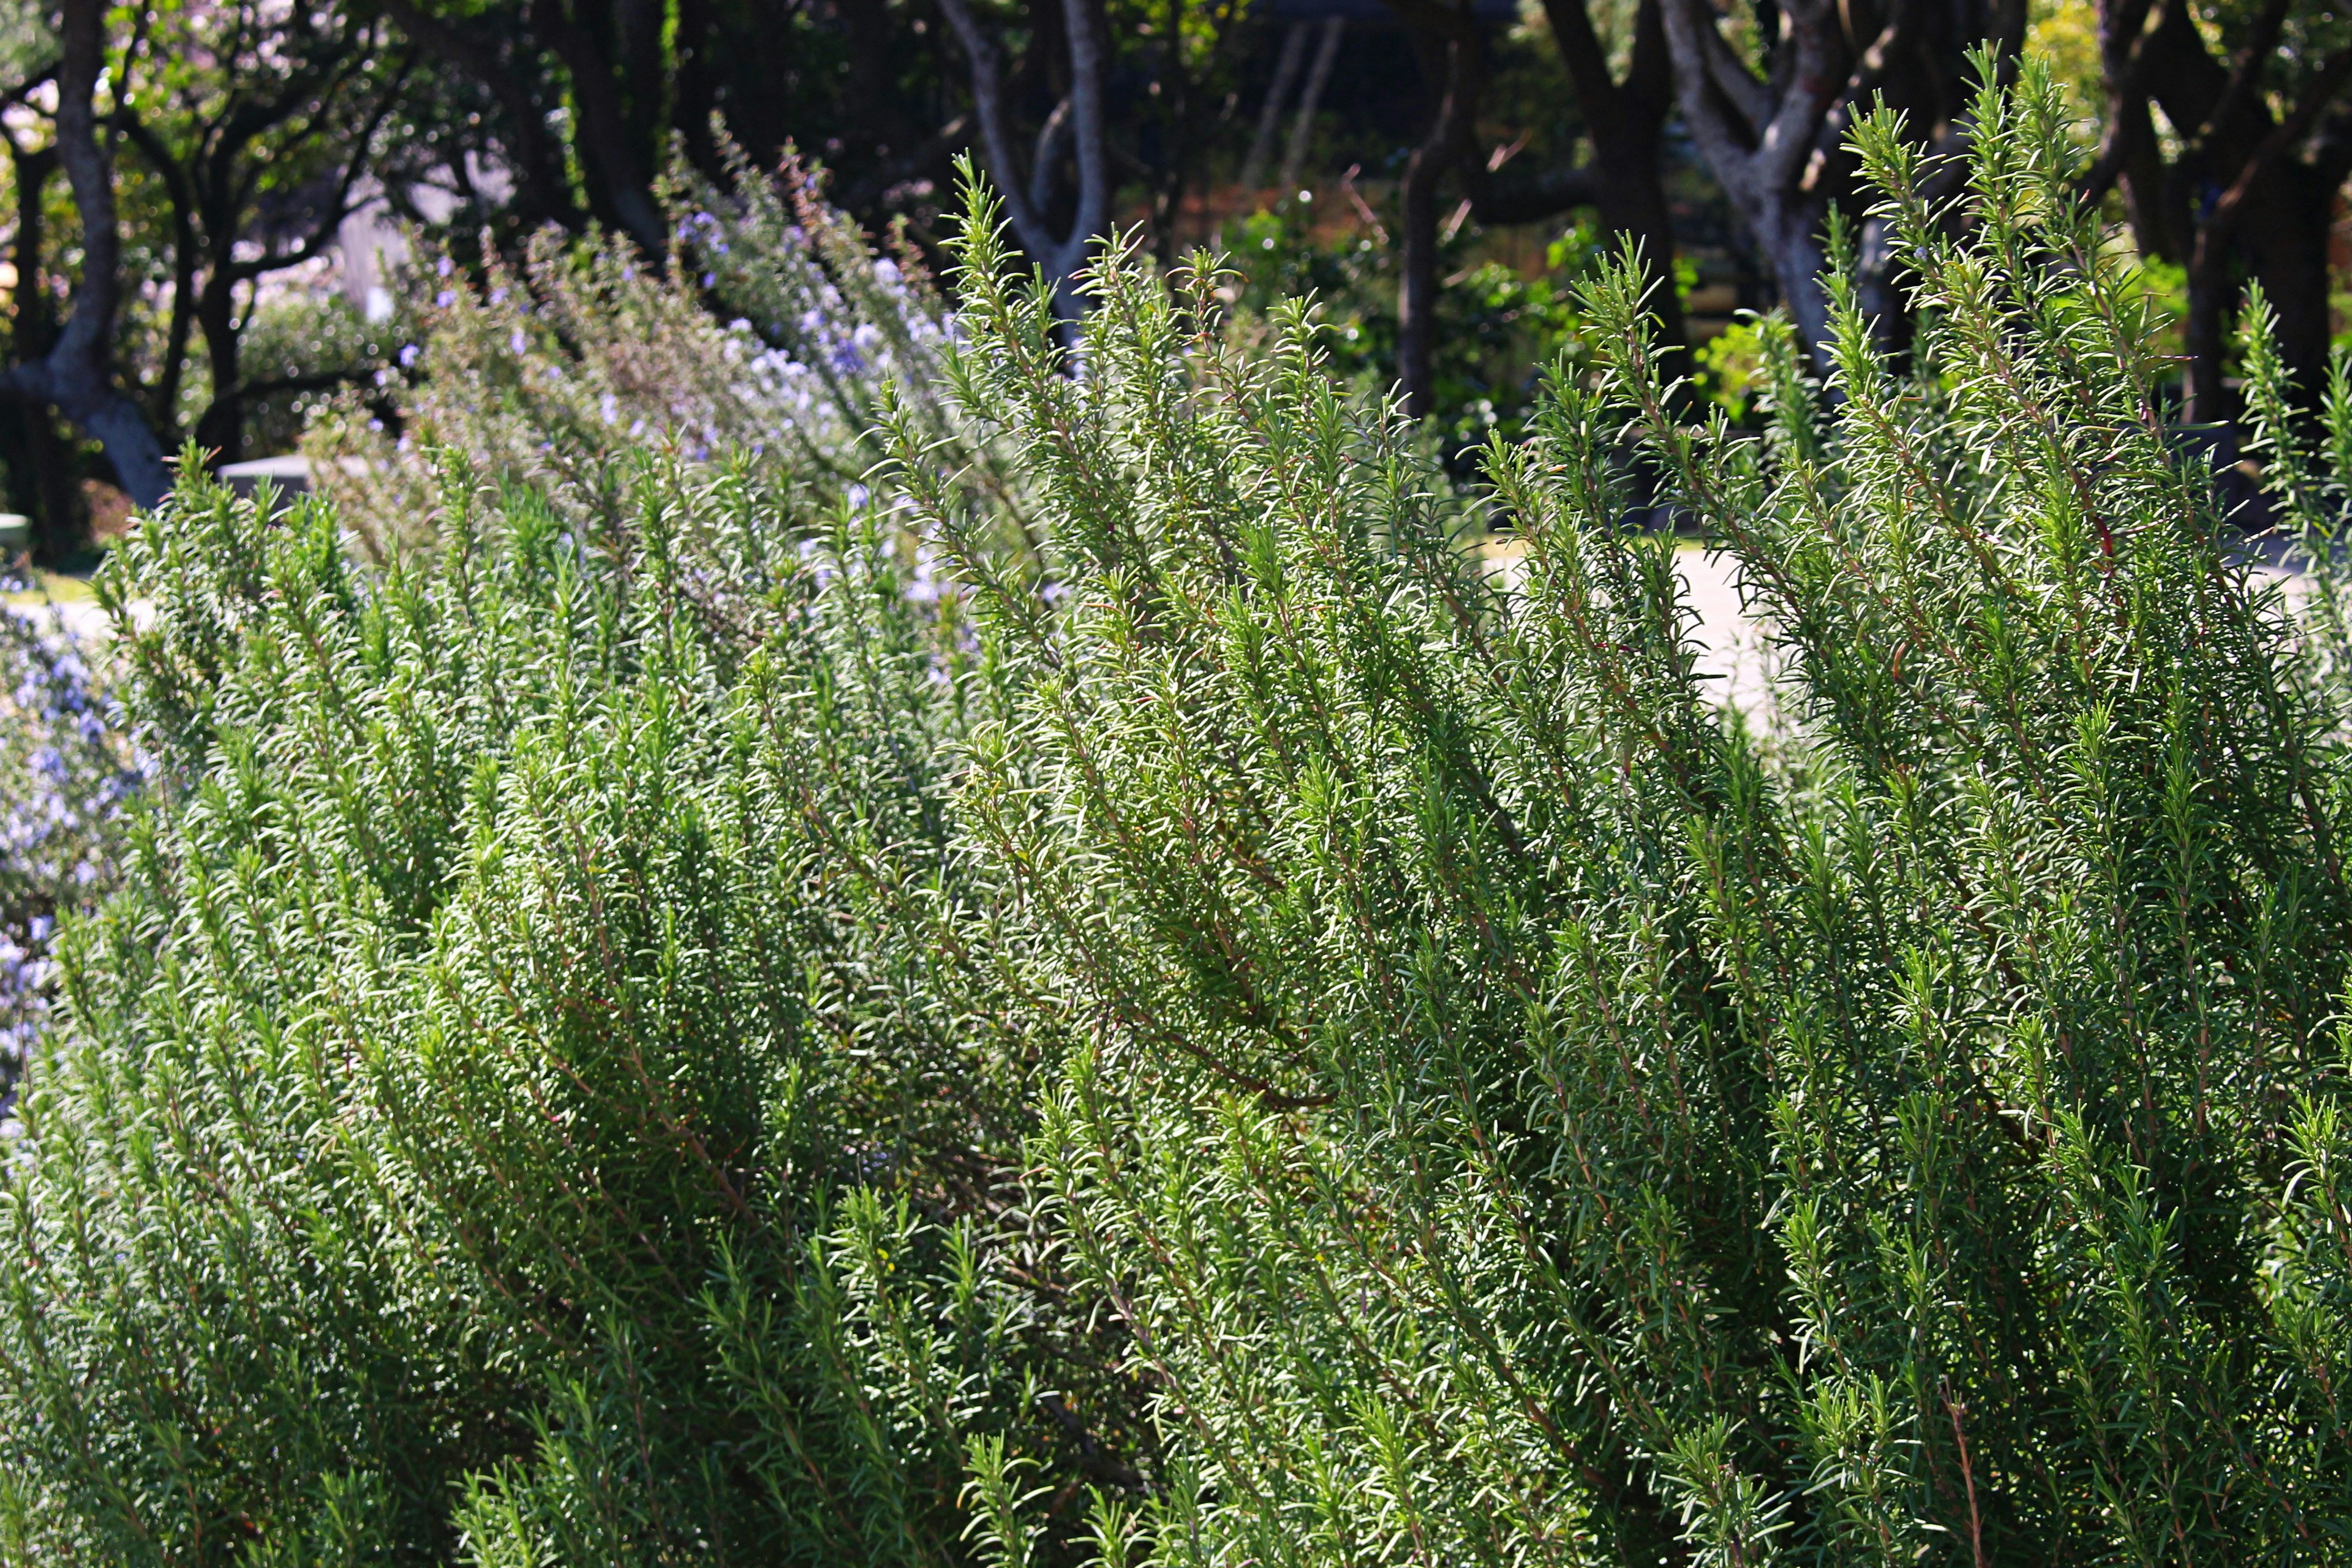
70 775
763 340
307 346
1492 323
1520 1118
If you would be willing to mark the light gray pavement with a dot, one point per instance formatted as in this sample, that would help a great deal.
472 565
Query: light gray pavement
1737 648
80 616
1734 648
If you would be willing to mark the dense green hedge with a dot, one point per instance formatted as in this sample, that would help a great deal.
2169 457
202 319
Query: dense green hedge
1214 1030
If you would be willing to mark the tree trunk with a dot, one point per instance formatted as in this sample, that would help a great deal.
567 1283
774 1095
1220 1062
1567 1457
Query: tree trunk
2252 190
1059 257
1450 36
221 428
2288 242
619 174
62 534
1627 123
76 376
1777 145
2128 150
58 528
1269 118
61 531
1758 141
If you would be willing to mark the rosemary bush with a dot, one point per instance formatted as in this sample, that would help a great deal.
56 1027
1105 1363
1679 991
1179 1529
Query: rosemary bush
1520 1115
763 340
522 1105
70 777
1214 1030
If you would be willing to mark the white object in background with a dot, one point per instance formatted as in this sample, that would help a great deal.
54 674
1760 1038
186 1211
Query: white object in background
290 475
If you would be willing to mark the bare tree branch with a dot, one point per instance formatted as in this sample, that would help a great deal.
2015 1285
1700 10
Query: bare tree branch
1269 118
1059 257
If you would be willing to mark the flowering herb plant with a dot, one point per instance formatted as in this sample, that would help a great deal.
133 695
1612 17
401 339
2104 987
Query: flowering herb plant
68 775
773 338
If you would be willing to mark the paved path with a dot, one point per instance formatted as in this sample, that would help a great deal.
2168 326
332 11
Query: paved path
1737 648
69 599
82 618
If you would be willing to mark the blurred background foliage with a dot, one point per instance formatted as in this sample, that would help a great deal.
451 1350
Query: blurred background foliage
276 173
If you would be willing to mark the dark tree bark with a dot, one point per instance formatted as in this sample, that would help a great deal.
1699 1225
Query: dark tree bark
1625 182
618 155
1059 255
76 376
1776 142
1454 52
2252 192
59 533
2128 150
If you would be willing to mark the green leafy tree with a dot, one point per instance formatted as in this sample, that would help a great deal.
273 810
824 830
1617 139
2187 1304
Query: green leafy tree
258 124
2246 185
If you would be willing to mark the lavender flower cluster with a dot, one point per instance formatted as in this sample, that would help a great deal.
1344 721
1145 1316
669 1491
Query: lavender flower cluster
68 775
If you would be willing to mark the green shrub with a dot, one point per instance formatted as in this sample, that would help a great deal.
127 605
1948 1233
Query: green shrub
1229 1034
763 340
1521 1116
1493 324
72 778
310 345
523 1104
